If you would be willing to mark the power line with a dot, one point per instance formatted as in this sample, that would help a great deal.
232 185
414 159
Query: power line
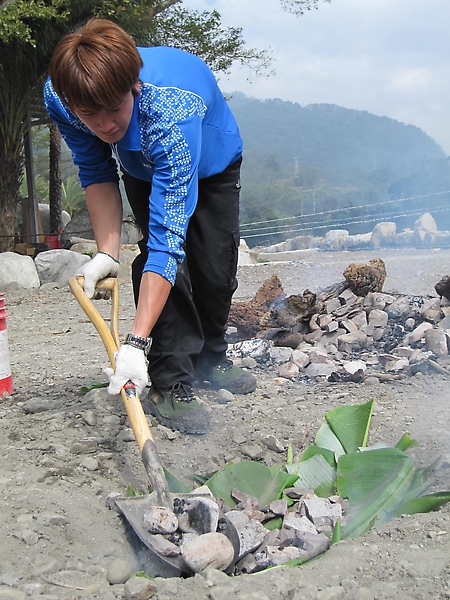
328 212
278 229
333 224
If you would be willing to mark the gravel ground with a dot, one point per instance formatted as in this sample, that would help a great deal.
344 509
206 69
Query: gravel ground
63 452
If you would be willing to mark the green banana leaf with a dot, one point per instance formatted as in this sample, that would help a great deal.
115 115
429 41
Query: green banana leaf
375 483
423 504
406 442
312 450
276 523
95 385
379 482
336 537
251 478
316 474
176 486
350 424
326 439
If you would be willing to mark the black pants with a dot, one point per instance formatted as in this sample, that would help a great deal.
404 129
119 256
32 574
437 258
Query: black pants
190 332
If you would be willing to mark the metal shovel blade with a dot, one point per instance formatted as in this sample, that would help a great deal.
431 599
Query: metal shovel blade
134 509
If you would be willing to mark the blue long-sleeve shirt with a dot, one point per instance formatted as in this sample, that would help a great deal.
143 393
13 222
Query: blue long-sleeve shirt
181 130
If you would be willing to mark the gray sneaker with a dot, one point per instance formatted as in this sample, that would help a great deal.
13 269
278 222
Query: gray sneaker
228 377
178 409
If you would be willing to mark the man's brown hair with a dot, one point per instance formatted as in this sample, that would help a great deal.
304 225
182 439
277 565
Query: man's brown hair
95 67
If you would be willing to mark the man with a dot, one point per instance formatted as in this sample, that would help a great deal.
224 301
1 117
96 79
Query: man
160 115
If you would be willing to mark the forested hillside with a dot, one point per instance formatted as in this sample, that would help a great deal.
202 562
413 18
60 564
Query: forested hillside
309 169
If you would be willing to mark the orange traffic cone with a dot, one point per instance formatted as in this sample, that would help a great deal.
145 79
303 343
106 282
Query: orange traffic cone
6 384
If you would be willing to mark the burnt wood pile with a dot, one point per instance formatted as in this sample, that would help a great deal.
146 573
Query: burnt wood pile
349 331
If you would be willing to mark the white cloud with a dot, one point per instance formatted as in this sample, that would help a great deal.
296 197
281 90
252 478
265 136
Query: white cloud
410 80
389 57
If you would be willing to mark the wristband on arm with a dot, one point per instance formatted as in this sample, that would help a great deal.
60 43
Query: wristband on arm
111 257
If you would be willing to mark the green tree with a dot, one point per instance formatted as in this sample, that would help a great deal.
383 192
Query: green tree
29 31
298 7
73 197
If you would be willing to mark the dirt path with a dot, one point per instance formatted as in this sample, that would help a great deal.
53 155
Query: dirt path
62 453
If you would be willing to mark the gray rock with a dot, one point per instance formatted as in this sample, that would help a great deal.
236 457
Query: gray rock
400 308
280 355
349 325
272 443
298 523
256 348
383 234
79 225
289 370
360 319
44 214
300 358
126 435
320 369
139 588
273 556
118 571
318 356
372 380
89 418
88 446
248 363
279 507
18 269
436 342
336 239
164 547
208 551
46 566
321 511
224 396
332 305
348 297
38 405
375 300
353 341
89 463
59 265
29 536
251 532
378 318
417 334
445 323
197 515
354 366
159 519
253 451
410 323
84 247
8 593
396 364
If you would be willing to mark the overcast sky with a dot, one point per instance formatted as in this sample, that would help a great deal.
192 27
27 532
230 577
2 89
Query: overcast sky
388 57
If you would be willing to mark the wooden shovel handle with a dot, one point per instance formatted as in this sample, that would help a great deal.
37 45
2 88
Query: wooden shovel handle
133 406
110 339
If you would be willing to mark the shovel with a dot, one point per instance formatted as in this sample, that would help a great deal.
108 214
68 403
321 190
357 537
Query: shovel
136 415
135 508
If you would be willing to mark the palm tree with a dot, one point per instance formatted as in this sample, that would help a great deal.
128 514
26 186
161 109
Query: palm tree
28 33
54 188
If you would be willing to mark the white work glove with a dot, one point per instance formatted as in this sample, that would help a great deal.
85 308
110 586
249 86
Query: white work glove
131 365
101 266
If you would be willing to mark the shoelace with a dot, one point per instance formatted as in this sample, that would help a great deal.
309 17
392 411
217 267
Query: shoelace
226 365
182 392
